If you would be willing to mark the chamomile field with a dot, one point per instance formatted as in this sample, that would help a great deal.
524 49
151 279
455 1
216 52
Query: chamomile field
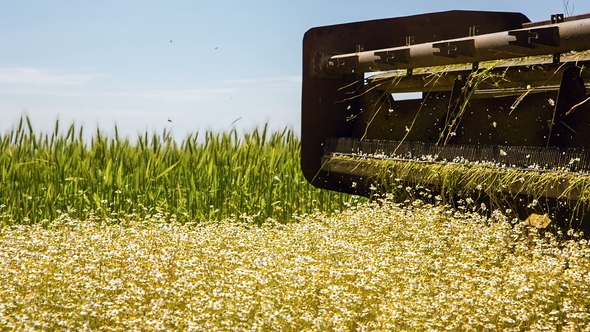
222 233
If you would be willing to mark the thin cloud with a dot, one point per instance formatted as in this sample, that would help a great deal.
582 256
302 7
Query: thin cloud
175 95
187 94
37 76
282 79
43 93
165 95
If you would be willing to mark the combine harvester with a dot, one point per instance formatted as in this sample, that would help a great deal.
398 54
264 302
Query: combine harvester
450 105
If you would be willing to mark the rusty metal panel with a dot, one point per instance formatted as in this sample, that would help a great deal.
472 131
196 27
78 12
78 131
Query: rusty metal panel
325 97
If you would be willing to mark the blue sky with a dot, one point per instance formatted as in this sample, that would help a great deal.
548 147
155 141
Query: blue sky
200 64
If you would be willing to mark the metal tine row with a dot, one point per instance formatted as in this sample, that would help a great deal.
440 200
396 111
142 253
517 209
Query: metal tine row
522 157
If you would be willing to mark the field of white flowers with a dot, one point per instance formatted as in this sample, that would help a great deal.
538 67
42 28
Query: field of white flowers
376 267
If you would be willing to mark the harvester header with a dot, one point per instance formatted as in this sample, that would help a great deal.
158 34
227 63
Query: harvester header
497 106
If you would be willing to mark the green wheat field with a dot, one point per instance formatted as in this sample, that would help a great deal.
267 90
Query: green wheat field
221 232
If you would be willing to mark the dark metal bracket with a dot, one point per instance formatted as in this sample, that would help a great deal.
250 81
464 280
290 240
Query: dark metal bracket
393 57
571 99
572 91
548 36
456 48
